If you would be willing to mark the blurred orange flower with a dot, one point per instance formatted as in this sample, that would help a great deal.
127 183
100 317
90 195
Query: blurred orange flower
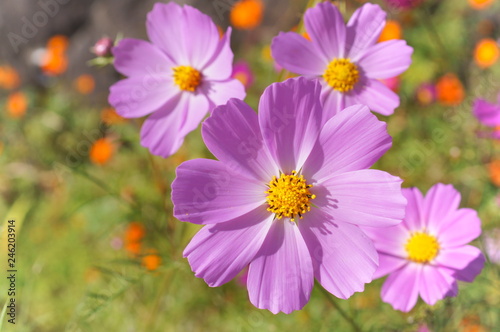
84 84
17 104
480 4
486 53
246 14
101 151
9 78
151 261
135 232
392 30
133 248
449 90
133 236
494 170
55 61
110 117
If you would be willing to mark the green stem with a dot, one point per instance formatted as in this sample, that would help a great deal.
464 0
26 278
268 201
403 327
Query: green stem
341 311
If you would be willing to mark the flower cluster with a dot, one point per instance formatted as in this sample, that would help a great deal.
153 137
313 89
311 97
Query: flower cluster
291 195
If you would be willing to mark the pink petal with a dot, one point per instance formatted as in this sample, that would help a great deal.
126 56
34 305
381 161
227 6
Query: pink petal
203 37
363 30
219 93
233 135
344 258
402 286
440 201
134 57
166 27
290 120
471 271
434 285
389 240
326 27
135 97
378 97
458 258
365 197
388 264
217 253
459 228
353 139
164 131
220 67
280 278
332 100
387 59
185 34
298 55
209 192
414 218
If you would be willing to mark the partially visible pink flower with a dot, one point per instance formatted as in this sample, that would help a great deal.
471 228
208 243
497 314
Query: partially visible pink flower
287 195
243 73
348 60
487 113
426 94
103 47
392 83
180 76
403 4
427 253
492 245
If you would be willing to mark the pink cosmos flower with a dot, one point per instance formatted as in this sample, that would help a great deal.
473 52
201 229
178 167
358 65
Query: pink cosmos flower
286 196
403 4
181 75
243 73
427 253
487 113
347 59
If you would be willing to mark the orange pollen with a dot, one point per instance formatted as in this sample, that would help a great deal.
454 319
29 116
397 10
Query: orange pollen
288 196
187 78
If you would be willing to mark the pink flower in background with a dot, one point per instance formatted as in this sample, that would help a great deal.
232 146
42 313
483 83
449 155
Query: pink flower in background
426 94
243 73
286 196
347 59
181 75
392 83
487 113
103 47
492 245
427 253
403 4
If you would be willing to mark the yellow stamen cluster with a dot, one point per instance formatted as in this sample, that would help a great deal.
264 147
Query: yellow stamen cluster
187 78
422 247
341 75
288 196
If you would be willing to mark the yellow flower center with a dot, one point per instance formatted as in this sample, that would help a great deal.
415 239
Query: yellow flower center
187 78
288 196
341 75
422 247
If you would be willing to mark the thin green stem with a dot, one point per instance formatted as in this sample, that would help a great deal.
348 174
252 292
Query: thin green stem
341 311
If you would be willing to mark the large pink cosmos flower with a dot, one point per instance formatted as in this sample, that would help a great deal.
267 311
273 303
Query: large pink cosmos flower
179 77
427 253
286 196
347 59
